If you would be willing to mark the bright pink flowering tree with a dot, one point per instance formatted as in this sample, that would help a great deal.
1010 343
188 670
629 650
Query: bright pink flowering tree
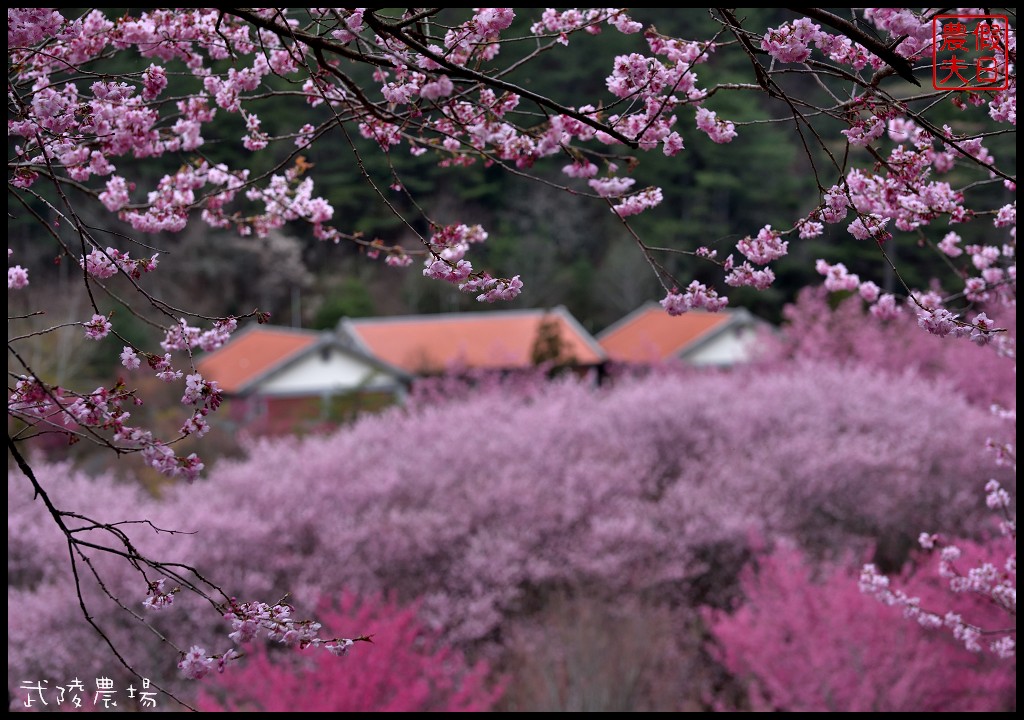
83 137
409 671
804 639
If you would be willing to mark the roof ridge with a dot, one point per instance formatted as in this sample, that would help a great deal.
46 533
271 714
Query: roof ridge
457 315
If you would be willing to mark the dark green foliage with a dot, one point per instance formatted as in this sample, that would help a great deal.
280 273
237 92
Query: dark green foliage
349 297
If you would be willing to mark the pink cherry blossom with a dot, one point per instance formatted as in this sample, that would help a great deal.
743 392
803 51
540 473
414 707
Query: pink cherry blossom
130 359
767 246
637 203
17 278
195 664
97 328
721 131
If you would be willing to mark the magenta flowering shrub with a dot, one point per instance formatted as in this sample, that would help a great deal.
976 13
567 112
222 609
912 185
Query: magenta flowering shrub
805 639
407 669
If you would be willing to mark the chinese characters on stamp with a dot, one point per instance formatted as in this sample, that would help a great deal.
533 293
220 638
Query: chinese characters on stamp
969 52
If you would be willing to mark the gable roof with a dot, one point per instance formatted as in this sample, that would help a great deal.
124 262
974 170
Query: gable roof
258 352
650 334
500 339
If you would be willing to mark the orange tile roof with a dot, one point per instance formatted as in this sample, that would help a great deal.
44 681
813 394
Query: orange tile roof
650 334
482 340
253 353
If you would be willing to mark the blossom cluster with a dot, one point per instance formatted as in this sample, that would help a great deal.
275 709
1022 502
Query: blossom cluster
696 296
53 407
251 619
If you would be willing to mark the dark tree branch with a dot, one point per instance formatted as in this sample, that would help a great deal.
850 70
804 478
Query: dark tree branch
846 28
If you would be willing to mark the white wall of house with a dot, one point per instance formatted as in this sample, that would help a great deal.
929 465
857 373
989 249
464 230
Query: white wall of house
325 371
729 347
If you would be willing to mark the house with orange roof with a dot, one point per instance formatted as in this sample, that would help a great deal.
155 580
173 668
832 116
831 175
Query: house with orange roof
498 340
279 379
650 335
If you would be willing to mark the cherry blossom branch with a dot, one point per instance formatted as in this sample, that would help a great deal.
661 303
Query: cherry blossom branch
887 52
248 619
